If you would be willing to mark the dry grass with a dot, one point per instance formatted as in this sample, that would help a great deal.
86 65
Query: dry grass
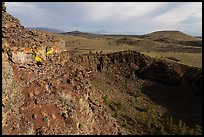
107 44
192 59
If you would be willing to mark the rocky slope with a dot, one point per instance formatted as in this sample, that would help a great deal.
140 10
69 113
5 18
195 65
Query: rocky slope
57 95
53 98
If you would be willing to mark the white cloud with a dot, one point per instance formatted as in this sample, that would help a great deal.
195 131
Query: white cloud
119 11
179 14
113 16
28 13
21 8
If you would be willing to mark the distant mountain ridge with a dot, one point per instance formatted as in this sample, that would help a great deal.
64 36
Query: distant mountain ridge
46 29
102 32
175 34
105 32
171 34
76 32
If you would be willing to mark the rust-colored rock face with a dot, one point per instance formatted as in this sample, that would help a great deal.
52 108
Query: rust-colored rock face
51 98
18 40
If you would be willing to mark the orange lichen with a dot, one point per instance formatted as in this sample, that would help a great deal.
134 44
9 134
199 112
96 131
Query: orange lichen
28 50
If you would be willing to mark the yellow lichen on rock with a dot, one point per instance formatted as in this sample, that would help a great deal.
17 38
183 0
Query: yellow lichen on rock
41 52
38 59
49 52
3 101
77 124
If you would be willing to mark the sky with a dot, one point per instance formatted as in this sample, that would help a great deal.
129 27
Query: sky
115 17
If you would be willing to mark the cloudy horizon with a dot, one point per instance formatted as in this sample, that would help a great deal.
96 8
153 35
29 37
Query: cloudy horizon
117 17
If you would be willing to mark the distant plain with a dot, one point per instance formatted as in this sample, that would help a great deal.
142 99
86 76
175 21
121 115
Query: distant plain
172 45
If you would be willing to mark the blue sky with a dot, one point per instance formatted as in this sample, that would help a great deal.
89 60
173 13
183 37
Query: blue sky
117 17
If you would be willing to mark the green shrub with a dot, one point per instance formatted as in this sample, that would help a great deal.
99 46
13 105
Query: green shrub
116 115
142 109
135 102
105 99
171 127
138 94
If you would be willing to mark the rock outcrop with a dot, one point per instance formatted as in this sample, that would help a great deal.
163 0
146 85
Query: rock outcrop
21 43
54 97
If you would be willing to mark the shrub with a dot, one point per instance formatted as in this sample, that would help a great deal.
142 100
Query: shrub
116 115
135 102
171 127
105 99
